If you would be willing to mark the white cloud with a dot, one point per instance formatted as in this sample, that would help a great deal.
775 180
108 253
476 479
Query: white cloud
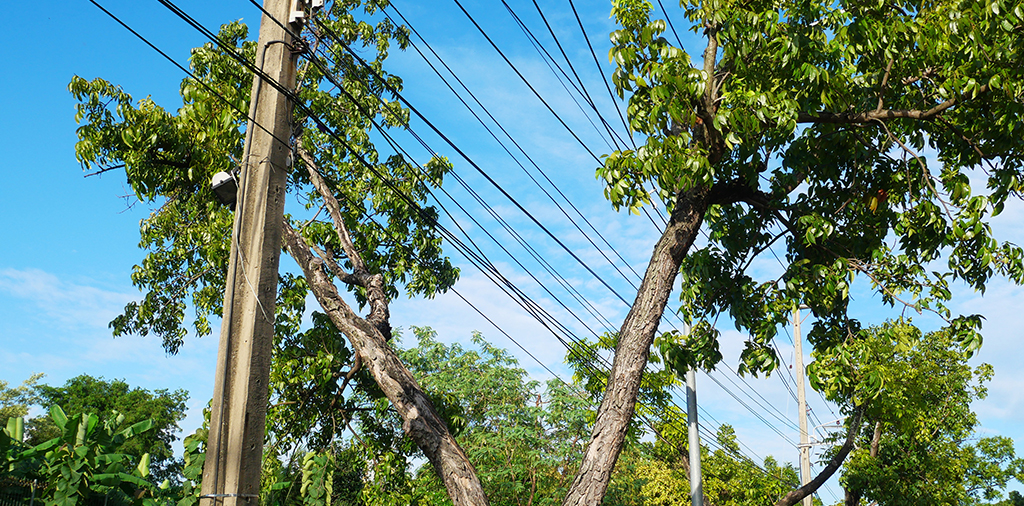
71 304
61 330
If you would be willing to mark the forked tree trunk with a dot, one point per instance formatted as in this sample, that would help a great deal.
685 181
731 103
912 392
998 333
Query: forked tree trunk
635 339
419 418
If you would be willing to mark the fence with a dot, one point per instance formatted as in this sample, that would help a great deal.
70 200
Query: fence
15 492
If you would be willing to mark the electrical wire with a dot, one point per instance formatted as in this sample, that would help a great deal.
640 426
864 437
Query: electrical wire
521 150
455 147
298 104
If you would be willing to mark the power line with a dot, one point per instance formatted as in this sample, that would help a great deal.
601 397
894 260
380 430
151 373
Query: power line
552 64
521 150
599 71
306 109
752 411
525 81
455 147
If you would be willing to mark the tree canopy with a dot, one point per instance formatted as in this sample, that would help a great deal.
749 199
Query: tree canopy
117 400
15 401
806 124
872 140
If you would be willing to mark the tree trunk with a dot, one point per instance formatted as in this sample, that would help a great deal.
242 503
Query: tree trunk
833 465
419 418
853 496
635 339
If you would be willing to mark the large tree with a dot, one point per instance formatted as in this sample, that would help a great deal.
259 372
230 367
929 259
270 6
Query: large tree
364 227
803 121
107 399
805 124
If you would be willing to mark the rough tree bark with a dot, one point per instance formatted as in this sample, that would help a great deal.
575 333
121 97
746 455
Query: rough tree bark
634 346
641 325
853 496
419 418
369 338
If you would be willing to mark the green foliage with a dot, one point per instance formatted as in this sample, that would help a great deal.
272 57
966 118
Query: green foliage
658 473
169 159
916 391
807 123
524 444
1015 499
15 401
733 479
193 458
85 394
82 461
317 479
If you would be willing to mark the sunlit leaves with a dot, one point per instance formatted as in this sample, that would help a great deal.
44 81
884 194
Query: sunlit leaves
916 391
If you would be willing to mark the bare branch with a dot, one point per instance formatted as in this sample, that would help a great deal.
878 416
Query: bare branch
884 114
358 266
105 169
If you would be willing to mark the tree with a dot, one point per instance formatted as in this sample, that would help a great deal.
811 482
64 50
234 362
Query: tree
522 440
806 122
15 401
1015 499
374 237
116 400
914 391
803 121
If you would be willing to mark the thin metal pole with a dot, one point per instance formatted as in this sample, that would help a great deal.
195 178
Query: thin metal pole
693 429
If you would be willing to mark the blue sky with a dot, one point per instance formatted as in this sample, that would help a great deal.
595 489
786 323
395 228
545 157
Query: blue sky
72 241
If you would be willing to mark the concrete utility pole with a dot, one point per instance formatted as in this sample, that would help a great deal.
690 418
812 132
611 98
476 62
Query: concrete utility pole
231 474
805 444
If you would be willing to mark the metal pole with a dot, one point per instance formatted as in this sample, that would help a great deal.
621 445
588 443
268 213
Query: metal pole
693 429
231 474
805 446
696 490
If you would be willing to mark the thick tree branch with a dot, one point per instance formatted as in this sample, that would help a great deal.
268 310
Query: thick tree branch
853 496
337 270
380 314
358 266
419 418
635 338
884 114
709 103
833 465
730 192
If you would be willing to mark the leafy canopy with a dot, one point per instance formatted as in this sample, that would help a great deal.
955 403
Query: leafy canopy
807 124
170 158
116 401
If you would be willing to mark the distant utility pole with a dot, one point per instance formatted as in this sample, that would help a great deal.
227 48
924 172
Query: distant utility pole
231 474
805 444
